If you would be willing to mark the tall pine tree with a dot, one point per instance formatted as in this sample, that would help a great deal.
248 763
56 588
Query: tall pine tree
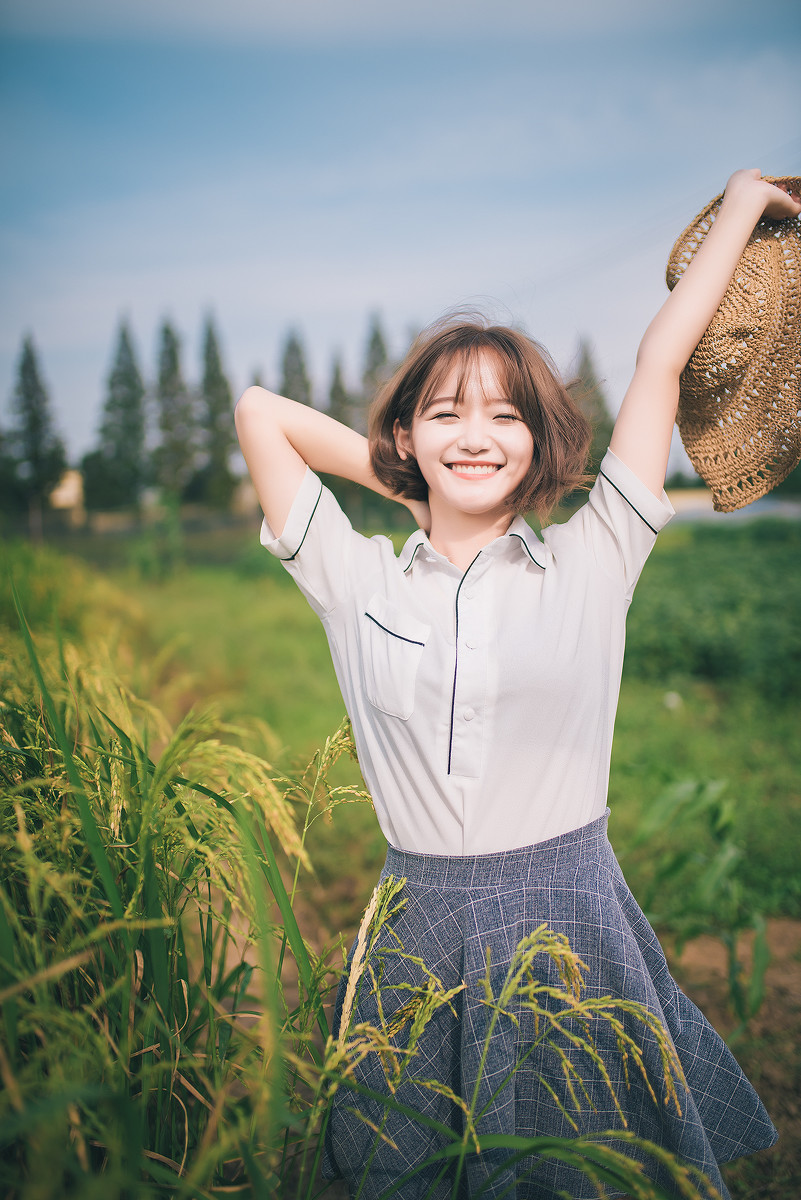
115 473
377 368
341 407
215 482
376 359
176 454
12 499
589 395
339 401
36 447
295 381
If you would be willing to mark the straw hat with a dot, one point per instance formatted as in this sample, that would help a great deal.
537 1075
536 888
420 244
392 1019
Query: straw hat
740 397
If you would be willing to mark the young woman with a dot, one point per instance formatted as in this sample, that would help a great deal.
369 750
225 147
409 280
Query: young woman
481 670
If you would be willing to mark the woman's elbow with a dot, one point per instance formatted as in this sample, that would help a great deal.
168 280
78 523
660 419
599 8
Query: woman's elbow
253 407
253 397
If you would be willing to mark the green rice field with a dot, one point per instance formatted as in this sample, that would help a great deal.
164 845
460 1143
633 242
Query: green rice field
167 715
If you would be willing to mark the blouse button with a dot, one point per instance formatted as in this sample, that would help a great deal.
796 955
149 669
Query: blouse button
469 713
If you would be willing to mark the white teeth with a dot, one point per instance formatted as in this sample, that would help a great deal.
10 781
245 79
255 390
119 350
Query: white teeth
474 468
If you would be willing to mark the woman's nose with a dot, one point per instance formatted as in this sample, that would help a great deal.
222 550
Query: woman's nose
473 435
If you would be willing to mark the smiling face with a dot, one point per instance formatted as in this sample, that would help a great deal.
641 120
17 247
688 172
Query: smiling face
470 442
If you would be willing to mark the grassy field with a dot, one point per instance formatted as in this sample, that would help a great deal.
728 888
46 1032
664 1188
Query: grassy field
706 777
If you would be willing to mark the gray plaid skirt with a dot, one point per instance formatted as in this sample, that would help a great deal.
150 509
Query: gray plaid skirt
463 919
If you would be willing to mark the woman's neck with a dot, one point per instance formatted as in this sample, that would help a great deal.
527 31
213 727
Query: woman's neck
460 536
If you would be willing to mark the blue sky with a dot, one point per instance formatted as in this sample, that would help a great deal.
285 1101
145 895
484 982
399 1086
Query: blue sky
303 165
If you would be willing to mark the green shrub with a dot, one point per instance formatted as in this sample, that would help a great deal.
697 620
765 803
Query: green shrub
721 605
56 590
691 865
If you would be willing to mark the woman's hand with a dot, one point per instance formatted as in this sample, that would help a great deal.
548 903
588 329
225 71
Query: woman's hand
421 513
778 202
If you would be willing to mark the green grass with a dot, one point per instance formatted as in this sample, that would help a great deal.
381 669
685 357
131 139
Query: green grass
729 735
252 644
721 604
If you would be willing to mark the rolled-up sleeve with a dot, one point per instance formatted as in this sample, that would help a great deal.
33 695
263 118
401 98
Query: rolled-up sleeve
320 548
619 523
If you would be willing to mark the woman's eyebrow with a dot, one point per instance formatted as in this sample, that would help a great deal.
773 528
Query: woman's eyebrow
487 400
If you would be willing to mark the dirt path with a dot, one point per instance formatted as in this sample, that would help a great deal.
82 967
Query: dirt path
770 1052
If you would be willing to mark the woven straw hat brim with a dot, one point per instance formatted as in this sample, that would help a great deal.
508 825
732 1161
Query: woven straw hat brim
740 397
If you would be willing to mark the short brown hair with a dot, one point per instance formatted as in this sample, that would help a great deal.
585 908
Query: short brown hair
531 383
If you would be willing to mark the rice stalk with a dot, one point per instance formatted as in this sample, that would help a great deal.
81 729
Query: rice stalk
563 1018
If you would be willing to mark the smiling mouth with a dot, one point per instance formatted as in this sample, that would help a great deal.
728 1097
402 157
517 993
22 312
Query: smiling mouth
477 469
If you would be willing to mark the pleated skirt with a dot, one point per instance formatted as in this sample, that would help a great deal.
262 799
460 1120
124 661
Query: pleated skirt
463 918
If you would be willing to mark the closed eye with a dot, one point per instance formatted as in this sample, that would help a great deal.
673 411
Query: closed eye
506 417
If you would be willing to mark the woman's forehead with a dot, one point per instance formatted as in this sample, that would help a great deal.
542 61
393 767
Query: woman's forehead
479 370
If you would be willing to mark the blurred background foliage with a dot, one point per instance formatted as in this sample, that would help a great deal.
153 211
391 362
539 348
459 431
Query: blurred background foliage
722 607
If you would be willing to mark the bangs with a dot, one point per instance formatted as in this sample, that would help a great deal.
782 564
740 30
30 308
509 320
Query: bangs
466 360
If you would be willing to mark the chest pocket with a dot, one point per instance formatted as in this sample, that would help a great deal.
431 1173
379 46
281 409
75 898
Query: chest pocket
393 644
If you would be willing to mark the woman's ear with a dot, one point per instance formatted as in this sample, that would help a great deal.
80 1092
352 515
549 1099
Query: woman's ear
403 441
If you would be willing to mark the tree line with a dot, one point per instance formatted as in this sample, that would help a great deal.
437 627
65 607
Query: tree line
164 434
180 439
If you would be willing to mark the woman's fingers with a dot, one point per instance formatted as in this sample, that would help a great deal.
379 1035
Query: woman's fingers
782 203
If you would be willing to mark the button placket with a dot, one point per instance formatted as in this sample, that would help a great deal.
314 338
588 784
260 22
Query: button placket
470 690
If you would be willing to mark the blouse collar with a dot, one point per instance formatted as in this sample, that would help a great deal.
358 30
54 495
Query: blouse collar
520 534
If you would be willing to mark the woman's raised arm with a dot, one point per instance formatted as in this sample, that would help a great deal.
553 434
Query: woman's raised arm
645 423
280 438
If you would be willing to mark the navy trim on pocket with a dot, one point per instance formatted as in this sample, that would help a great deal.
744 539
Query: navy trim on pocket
391 632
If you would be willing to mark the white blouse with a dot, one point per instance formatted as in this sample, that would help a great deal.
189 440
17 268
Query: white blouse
482 702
